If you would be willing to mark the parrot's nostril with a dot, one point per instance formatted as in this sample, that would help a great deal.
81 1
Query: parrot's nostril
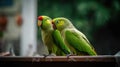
40 18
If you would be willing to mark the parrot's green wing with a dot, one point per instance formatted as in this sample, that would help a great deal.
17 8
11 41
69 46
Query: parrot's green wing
59 42
79 43
84 37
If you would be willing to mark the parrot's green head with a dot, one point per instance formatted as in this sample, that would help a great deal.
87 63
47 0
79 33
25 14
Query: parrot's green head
61 23
45 22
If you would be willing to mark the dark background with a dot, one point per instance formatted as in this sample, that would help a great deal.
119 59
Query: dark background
97 19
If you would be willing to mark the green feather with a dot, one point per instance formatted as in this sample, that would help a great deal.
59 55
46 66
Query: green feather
79 43
59 42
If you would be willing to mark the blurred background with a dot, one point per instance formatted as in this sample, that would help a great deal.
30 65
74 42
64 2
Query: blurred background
97 19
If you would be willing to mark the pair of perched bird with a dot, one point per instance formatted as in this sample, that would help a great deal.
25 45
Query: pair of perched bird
62 38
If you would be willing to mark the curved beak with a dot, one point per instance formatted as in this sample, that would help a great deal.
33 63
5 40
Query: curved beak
39 23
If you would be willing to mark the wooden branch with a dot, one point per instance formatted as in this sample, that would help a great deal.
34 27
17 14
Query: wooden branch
60 58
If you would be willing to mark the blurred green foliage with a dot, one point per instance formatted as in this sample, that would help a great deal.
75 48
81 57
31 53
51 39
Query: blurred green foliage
87 15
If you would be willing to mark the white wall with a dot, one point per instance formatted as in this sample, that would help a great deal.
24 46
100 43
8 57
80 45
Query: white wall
28 34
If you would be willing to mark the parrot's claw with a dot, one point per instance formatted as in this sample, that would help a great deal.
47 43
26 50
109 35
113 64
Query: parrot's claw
68 55
70 59
45 55
52 54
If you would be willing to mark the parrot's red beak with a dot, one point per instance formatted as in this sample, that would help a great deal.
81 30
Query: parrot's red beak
54 25
40 18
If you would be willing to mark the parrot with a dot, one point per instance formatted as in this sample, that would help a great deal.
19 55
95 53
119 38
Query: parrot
51 38
73 38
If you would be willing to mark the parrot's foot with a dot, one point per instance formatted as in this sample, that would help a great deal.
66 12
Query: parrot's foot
45 55
68 55
49 55
70 59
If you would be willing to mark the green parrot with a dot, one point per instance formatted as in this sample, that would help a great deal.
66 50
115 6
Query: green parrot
76 40
50 37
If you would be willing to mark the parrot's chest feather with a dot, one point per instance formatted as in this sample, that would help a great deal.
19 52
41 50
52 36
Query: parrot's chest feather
48 41
47 38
